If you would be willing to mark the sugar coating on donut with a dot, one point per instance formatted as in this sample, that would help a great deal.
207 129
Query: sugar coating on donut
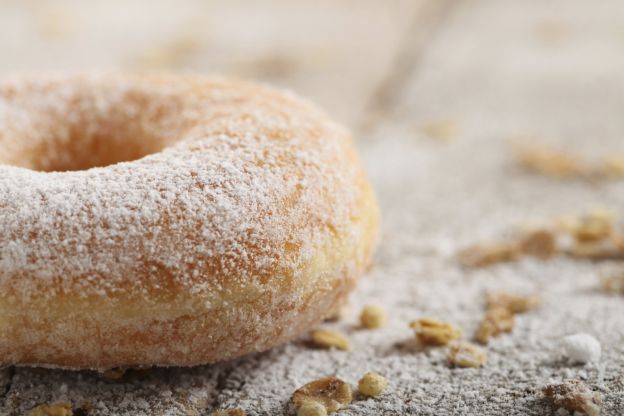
244 182
245 186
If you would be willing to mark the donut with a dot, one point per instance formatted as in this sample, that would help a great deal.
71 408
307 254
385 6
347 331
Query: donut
170 220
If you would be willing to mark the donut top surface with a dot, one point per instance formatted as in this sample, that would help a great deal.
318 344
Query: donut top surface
107 181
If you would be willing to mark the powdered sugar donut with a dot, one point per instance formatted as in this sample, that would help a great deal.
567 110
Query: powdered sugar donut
170 220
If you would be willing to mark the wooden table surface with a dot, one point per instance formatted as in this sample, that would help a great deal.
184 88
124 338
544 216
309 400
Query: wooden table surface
434 90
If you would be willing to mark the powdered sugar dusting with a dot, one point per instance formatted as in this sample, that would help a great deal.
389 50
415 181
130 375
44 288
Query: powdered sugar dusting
243 170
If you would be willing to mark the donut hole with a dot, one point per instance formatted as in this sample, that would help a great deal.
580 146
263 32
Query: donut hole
99 149
90 129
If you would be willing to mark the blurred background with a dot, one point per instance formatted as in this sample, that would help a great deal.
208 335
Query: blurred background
336 52
362 60
359 59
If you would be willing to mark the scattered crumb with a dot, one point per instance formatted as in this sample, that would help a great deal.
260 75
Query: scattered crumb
592 236
372 384
373 316
574 396
312 408
594 225
58 409
566 223
581 348
540 243
595 250
497 320
331 392
228 412
557 163
464 354
443 130
602 213
433 332
481 255
326 338
513 303
499 315
549 161
612 278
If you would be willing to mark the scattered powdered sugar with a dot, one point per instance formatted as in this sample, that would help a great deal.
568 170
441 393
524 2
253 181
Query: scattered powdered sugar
581 348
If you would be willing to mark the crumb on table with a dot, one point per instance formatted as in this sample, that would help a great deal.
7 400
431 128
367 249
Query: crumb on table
574 396
497 320
325 338
331 392
373 316
372 384
465 354
57 409
433 332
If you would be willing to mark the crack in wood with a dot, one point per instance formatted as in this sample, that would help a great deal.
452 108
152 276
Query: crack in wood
427 21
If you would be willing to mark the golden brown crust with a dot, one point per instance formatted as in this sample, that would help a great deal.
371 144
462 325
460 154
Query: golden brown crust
253 219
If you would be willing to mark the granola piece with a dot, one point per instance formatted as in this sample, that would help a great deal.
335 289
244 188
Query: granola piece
497 320
574 396
325 338
549 161
540 243
434 332
331 392
465 354
312 408
486 254
372 384
513 303
57 409
229 412
595 250
373 316
566 223
595 225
